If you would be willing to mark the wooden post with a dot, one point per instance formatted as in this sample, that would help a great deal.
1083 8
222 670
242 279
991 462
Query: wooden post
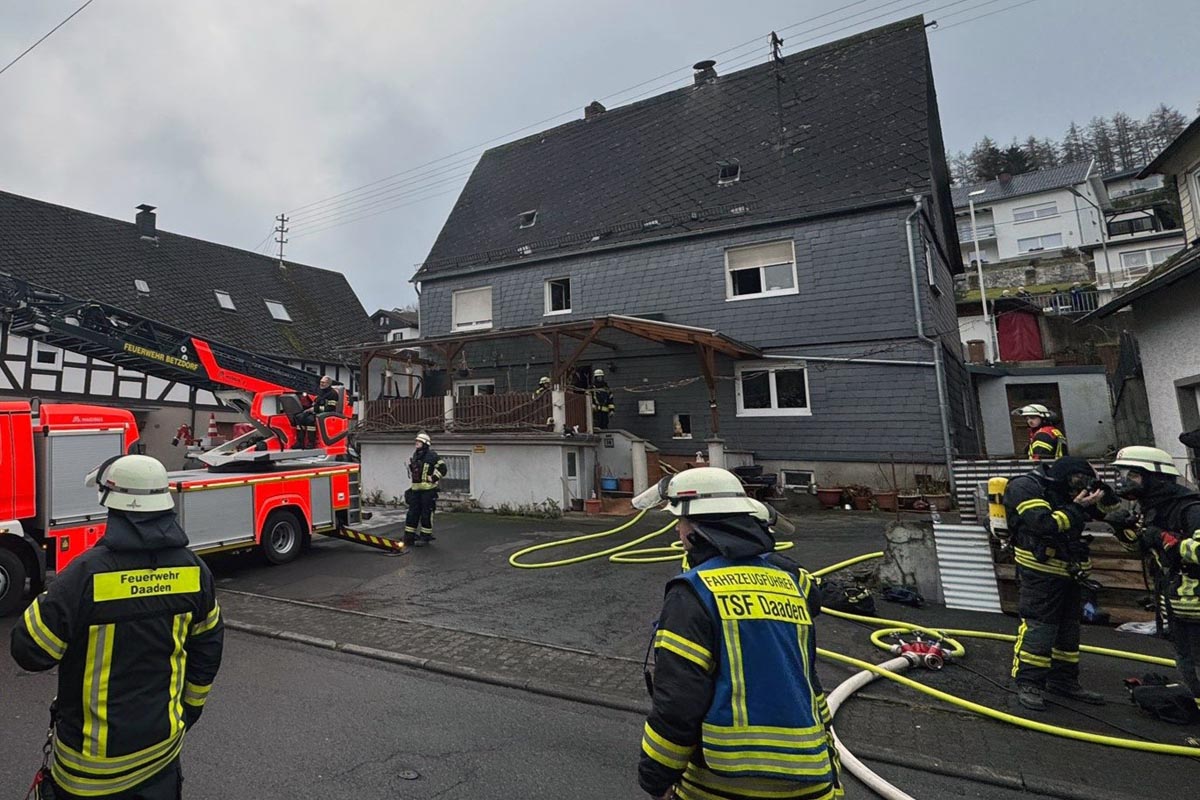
708 369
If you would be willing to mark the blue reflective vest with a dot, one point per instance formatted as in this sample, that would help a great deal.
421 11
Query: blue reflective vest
764 720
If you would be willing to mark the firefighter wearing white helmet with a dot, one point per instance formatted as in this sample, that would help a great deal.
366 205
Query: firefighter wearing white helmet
735 599
543 387
1046 442
425 469
150 614
1166 526
603 406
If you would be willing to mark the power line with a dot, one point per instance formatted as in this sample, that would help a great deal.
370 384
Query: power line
29 49
990 13
377 213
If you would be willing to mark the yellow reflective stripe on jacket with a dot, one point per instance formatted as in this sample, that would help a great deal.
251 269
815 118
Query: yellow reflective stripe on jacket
737 673
663 750
105 787
1052 566
209 622
697 780
194 694
823 709
41 634
130 583
1063 520
1037 502
179 634
1069 656
745 760
684 648
79 763
422 486
762 736
1189 550
97 667
1040 445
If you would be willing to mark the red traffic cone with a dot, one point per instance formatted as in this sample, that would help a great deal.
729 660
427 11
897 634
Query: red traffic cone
210 438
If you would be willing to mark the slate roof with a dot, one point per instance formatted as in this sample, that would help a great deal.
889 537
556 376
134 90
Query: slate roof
99 258
1171 149
856 115
1179 266
1045 180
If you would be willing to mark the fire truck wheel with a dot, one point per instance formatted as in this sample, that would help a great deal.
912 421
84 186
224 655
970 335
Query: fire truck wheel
282 537
13 575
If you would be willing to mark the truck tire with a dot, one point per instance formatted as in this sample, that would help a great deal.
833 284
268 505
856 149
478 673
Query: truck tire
282 537
13 575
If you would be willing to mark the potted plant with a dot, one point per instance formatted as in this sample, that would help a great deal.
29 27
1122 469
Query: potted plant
937 494
886 499
829 496
907 498
861 496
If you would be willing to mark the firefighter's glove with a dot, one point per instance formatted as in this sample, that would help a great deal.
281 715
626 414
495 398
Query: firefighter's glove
1121 519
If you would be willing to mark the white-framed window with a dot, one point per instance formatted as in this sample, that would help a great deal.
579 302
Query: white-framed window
472 308
458 475
141 286
760 270
558 296
682 426
46 356
1038 211
572 464
1034 243
772 389
278 310
1137 263
796 478
474 388
225 300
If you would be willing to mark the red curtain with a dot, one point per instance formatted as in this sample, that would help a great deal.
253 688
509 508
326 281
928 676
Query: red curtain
1020 337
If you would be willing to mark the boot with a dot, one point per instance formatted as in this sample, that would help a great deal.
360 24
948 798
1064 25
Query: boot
426 538
1075 692
1030 696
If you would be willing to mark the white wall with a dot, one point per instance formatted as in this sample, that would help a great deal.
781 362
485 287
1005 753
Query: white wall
1126 244
1076 228
1086 412
512 473
1166 323
970 328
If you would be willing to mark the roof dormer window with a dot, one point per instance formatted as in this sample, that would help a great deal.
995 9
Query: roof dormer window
141 286
728 172
527 219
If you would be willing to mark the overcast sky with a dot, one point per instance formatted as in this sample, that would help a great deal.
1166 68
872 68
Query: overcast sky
225 112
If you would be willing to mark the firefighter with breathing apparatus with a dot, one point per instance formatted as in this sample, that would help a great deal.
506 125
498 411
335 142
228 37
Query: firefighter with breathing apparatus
738 710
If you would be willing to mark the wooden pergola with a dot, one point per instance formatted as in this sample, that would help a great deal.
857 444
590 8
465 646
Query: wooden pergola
568 341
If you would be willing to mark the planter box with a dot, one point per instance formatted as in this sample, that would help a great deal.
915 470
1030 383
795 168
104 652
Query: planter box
591 506
907 501
939 501
830 497
862 502
625 485
886 501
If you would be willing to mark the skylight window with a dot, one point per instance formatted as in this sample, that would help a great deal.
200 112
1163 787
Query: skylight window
225 300
278 311
729 172
141 286
528 219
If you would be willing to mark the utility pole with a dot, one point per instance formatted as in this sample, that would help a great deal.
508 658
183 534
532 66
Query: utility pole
777 62
281 230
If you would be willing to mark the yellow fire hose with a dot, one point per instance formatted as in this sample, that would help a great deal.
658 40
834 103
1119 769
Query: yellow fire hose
625 554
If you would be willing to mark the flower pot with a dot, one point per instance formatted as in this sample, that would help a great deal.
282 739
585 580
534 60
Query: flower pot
829 497
886 501
939 501
577 504
625 485
591 506
862 502
907 499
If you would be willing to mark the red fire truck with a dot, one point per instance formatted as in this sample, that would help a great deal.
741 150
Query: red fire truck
271 488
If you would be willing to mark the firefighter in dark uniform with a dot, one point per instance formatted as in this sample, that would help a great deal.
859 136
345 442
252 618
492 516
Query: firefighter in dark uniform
327 400
1046 442
135 631
425 469
543 387
602 401
1167 527
738 711
1047 510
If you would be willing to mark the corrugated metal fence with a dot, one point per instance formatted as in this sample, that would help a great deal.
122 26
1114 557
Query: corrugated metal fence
970 475
965 566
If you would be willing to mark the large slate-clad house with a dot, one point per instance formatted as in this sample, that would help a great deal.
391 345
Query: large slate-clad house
792 207
295 313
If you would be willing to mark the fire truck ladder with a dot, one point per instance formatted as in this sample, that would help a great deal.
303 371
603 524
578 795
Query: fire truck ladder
129 340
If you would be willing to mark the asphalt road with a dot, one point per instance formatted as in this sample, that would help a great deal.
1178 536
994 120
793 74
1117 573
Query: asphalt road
287 721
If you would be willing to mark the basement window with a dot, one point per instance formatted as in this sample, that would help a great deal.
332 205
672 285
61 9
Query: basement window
225 300
458 475
728 172
796 478
528 218
141 286
278 310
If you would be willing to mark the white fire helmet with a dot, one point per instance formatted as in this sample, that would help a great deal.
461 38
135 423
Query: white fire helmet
1148 459
777 522
132 483
598 373
699 491
1034 410
423 438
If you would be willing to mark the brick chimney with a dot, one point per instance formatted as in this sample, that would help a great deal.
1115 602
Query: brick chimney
145 221
1005 178
705 72
593 110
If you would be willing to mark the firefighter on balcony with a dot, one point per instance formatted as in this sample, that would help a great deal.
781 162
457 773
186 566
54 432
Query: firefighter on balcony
737 711
542 388
602 401
135 631
1046 510
425 469
1046 442
1166 525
